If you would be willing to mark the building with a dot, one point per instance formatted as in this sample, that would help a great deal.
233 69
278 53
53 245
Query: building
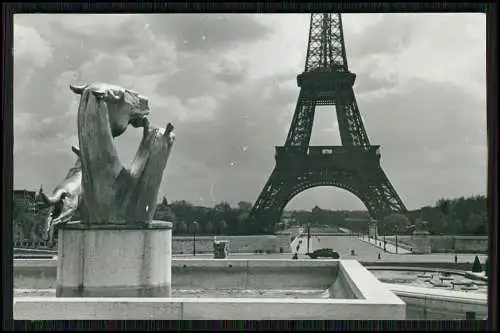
26 199
25 205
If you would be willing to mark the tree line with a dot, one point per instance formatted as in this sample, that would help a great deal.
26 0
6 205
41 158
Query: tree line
461 216
222 219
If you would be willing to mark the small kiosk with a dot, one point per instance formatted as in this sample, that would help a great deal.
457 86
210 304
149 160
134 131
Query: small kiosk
221 249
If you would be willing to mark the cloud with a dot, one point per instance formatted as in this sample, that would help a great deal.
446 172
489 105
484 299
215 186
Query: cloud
231 92
31 52
30 46
455 53
207 32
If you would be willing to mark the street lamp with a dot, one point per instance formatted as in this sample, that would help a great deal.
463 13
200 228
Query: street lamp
308 236
385 241
195 226
396 231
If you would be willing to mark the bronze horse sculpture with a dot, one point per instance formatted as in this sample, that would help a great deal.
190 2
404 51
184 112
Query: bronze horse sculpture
99 185
65 200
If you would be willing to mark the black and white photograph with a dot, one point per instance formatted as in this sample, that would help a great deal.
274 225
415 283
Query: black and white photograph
250 166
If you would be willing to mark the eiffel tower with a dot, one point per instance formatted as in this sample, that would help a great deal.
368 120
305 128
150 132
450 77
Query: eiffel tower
354 165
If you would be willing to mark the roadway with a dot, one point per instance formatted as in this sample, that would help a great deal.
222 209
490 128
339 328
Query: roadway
365 251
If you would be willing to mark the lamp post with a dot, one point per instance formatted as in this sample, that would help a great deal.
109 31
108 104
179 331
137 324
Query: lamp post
308 236
396 231
384 242
195 226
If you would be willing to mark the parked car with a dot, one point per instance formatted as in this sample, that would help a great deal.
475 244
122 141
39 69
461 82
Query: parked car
324 253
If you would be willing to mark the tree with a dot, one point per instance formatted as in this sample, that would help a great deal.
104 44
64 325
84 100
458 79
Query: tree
455 226
194 227
180 227
440 225
208 227
222 207
444 206
222 227
244 206
474 223
182 209
476 266
392 223
241 221
164 213
18 233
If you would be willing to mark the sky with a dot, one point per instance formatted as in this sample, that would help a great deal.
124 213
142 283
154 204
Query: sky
228 84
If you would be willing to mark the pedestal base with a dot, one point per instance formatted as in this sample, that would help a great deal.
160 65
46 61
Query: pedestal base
421 242
114 261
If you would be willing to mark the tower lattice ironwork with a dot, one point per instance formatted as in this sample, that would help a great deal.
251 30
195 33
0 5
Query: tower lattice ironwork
353 166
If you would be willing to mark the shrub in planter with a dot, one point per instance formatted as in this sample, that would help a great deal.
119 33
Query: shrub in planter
476 266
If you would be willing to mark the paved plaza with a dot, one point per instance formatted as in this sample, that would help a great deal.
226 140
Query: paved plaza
364 251
379 243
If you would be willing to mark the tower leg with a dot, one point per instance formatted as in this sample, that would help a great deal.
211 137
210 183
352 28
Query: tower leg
371 186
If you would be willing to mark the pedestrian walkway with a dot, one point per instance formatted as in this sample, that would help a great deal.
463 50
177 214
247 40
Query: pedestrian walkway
388 246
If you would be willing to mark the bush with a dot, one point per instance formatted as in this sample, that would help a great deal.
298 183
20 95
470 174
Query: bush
268 251
295 256
487 267
476 266
281 250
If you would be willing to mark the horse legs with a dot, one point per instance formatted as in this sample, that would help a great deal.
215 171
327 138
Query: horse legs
50 236
60 220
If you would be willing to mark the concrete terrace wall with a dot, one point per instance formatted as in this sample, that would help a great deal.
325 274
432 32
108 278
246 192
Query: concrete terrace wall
425 304
28 270
237 244
184 244
443 244
204 244
472 244
254 274
375 300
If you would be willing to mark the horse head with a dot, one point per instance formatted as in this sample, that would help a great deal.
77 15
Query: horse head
124 106
109 189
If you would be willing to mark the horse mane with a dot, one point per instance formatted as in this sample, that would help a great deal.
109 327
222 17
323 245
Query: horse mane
75 169
99 160
90 105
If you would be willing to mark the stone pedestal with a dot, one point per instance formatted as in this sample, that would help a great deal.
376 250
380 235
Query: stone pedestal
421 242
114 260
372 229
